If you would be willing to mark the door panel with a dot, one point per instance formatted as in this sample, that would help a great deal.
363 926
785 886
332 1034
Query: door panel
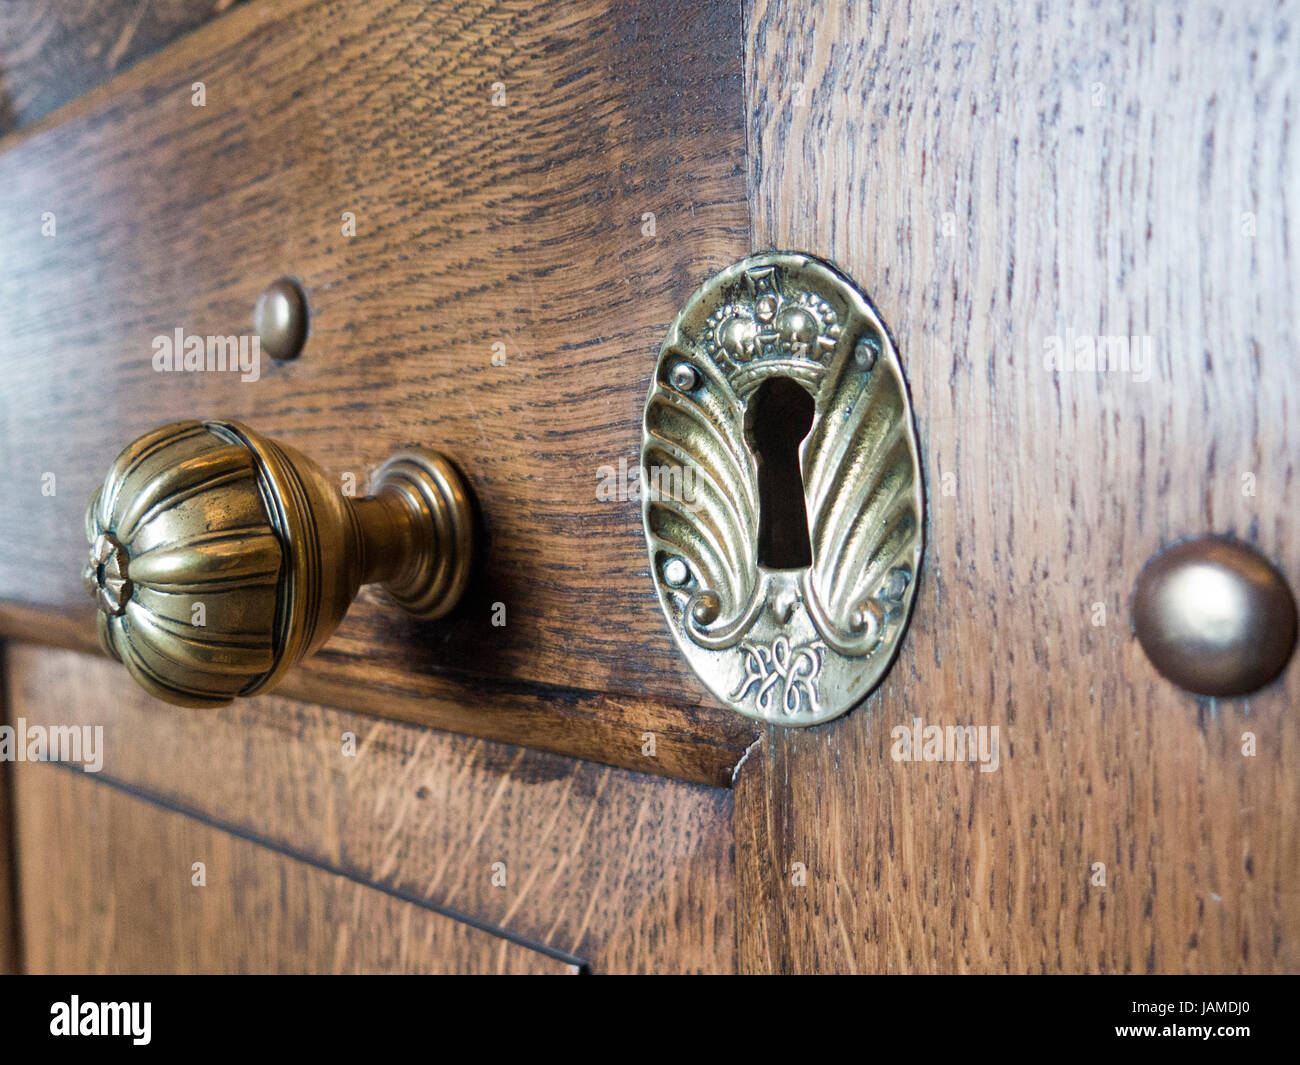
119 893
51 53
500 166
996 176
600 863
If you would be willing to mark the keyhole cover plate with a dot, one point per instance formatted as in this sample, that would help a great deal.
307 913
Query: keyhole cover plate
786 646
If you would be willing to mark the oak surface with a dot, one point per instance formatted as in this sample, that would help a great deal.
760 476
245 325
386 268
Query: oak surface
999 177
610 728
503 298
117 894
53 51
995 175
625 871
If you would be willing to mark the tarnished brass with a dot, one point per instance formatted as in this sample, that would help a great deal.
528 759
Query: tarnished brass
1214 616
219 558
280 319
786 567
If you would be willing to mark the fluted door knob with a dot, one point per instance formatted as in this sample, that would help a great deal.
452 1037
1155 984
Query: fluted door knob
219 558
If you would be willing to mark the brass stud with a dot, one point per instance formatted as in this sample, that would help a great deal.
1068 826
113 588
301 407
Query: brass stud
1214 616
280 319
705 607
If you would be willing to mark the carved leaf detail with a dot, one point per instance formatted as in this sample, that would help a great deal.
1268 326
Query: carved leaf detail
701 484
859 485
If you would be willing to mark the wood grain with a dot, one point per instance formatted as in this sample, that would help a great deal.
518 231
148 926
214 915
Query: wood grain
107 881
689 743
629 872
476 225
54 51
995 175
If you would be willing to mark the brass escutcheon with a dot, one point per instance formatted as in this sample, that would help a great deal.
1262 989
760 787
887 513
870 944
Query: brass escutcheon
781 489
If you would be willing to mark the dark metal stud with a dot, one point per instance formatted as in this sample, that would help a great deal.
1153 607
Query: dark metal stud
280 319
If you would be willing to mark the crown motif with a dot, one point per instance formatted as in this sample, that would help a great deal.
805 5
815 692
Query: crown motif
771 331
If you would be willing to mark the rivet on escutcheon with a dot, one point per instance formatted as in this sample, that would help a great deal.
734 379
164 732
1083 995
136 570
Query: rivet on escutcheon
1214 616
280 319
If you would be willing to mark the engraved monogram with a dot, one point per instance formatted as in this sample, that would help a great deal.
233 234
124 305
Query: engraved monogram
781 677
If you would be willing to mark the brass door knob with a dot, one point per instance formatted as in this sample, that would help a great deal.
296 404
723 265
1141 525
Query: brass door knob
220 558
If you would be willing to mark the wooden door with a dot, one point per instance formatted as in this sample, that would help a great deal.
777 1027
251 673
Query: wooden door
494 214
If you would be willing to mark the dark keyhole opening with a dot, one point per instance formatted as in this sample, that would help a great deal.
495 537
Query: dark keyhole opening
779 417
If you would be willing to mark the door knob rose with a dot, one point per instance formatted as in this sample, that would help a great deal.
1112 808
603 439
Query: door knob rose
219 558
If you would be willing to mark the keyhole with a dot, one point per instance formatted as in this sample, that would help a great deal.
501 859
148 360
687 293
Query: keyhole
779 417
